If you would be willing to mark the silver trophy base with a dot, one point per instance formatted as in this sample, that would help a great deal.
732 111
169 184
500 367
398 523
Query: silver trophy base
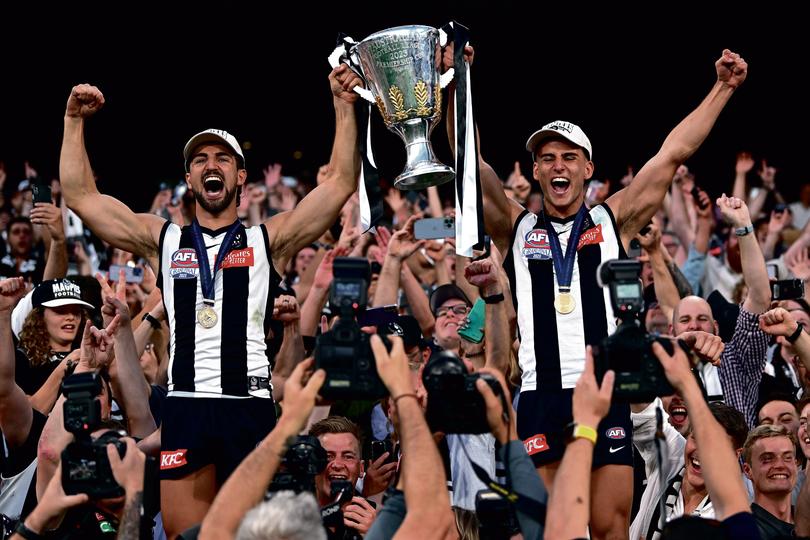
424 175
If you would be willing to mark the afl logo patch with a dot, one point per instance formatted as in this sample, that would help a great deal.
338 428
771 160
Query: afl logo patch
184 264
536 246
615 433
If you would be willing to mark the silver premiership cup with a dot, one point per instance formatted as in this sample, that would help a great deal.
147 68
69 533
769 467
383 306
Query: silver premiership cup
401 69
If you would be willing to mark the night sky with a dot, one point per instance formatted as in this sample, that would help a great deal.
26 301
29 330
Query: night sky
625 78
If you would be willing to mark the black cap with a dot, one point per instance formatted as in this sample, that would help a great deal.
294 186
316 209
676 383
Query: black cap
443 293
58 292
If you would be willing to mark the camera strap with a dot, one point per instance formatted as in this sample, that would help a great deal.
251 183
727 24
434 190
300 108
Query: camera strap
662 475
522 503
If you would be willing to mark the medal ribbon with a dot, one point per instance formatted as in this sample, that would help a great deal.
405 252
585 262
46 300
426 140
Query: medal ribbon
564 265
206 277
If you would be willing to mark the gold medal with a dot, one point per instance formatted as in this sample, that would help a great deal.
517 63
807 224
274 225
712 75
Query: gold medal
564 303
207 317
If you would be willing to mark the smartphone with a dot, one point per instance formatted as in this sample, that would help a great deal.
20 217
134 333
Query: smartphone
289 181
473 329
696 196
134 274
787 289
378 448
780 208
434 228
773 271
41 193
379 316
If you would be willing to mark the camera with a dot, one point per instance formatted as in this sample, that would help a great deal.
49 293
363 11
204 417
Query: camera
344 352
496 516
85 464
628 351
454 403
304 460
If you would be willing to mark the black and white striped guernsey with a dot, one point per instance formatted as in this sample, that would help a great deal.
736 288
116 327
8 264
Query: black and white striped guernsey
228 360
552 345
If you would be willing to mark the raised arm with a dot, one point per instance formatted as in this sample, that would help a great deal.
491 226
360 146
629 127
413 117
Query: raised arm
499 210
246 486
16 415
720 467
110 219
485 276
290 231
569 504
638 202
50 217
735 212
426 497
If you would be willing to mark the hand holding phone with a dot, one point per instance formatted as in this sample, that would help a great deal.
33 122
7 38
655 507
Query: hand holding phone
41 193
473 329
696 195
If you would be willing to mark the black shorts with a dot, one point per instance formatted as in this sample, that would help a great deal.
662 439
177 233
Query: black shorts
543 416
201 431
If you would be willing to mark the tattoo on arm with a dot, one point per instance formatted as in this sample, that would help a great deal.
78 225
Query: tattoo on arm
130 528
681 283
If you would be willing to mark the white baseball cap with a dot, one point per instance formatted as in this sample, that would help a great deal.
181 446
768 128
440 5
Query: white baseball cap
566 130
216 136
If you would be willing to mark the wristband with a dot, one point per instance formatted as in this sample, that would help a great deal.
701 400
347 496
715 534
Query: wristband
27 533
744 231
795 335
152 320
493 299
579 431
414 396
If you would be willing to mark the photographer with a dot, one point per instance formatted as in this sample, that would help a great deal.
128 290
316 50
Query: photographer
422 476
340 437
247 485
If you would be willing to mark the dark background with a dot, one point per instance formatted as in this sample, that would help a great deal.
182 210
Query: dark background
626 76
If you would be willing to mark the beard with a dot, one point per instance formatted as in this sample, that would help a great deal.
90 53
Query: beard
215 207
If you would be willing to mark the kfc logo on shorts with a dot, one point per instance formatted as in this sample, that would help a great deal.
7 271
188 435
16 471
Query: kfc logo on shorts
173 459
615 433
536 246
591 236
536 444
184 264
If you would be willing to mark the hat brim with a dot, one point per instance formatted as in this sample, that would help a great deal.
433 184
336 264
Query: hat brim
66 302
542 134
207 137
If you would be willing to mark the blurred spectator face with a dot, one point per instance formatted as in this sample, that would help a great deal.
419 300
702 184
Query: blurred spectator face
800 316
670 242
5 216
535 203
693 314
121 258
773 466
302 260
62 324
19 239
343 462
803 435
804 195
693 473
678 413
646 270
656 320
780 413
762 232
449 317
150 363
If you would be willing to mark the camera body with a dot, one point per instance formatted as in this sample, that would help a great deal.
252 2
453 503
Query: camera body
496 516
628 351
344 352
85 464
454 403
304 460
